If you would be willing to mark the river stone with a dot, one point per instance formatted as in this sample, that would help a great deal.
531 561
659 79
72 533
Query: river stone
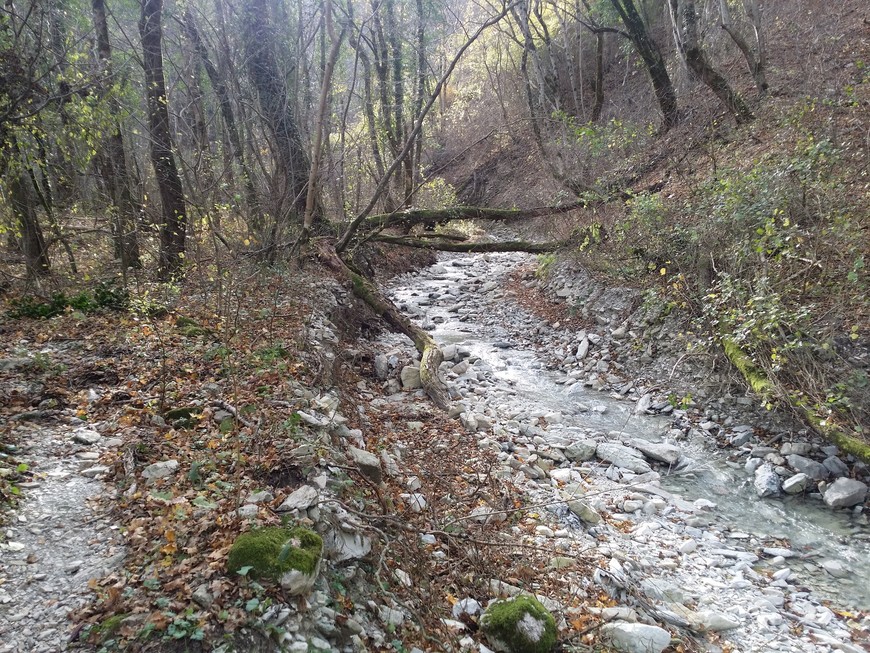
519 625
86 436
815 470
660 451
382 367
584 511
410 377
845 493
581 451
160 470
301 499
369 464
635 638
767 482
795 484
448 352
582 349
836 466
623 457
710 620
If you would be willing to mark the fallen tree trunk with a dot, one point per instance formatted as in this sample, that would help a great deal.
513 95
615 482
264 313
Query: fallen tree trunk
430 354
411 217
489 247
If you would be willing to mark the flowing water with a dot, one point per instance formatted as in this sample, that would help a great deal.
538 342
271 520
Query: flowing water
520 382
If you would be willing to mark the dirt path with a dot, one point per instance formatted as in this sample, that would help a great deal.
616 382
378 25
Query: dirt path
57 539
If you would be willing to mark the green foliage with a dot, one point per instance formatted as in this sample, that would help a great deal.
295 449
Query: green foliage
545 264
104 296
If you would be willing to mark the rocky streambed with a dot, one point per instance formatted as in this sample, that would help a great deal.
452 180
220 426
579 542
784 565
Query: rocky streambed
702 513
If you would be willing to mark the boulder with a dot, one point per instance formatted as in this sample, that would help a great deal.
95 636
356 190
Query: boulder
410 377
795 484
369 464
581 451
301 499
660 451
584 511
160 470
628 637
767 482
845 493
289 556
815 470
519 625
623 457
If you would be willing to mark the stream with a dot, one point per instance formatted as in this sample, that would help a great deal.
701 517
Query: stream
509 383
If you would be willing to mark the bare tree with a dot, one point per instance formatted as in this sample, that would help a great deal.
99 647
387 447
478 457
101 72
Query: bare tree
111 159
653 59
685 19
173 225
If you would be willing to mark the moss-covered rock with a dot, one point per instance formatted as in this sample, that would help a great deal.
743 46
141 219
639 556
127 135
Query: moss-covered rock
519 625
290 556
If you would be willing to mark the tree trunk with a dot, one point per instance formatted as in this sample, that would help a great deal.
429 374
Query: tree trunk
430 355
226 108
652 57
23 205
599 77
174 216
684 12
445 245
755 64
112 159
437 216
292 158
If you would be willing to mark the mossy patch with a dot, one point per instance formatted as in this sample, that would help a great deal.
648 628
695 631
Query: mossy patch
519 625
274 550
755 377
184 417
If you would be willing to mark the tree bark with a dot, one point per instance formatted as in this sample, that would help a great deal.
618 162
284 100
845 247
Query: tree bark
430 355
222 92
112 160
174 215
684 12
652 57
445 245
290 152
23 204
755 64
413 217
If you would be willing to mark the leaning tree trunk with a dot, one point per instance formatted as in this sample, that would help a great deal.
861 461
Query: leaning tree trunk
112 159
684 13
174 221
756 64
652 57
430 355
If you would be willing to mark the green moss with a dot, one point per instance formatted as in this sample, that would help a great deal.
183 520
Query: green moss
182 322
108 627
193 331
275 550
755 377
520 625
847 443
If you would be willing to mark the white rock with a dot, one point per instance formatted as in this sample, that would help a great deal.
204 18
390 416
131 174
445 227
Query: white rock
795 484
86 436
410 377
160 470
845 493
624 457
301 499
635 638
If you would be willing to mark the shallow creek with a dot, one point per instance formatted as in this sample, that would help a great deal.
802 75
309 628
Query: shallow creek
455 300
